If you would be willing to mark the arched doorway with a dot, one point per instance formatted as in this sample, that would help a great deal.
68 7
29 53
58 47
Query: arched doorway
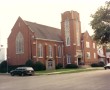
79 60
50 64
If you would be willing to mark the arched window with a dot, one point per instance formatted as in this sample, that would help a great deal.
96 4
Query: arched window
19 43
59 51
68 41
68 59
40 50
50 51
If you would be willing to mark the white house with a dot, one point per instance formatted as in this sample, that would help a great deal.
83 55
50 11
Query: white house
100 52
108 55
2 53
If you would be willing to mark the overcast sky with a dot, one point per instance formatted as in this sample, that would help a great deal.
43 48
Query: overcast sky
46 12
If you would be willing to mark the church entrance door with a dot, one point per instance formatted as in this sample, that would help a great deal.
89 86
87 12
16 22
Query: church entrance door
50 64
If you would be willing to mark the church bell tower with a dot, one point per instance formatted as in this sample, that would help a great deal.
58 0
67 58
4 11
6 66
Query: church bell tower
71 35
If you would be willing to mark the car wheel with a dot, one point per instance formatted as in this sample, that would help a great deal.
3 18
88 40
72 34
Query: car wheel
12 74
22 74
105 68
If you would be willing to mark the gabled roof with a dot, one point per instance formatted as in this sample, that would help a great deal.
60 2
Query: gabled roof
86 35
44 32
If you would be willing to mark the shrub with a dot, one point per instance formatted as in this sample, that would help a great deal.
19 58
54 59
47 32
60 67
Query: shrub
38 66
94 65
12 67
3 66
99 64
29 63
71 66
59 66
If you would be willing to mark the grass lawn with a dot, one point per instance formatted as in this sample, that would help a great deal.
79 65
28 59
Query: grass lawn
64 71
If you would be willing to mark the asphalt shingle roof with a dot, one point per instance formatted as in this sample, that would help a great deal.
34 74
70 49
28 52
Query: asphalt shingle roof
45 32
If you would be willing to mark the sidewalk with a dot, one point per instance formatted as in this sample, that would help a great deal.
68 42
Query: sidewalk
68 71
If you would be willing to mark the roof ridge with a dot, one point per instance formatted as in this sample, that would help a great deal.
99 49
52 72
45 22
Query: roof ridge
41 24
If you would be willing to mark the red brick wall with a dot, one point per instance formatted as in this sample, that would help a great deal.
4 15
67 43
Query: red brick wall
18 59
87 38
30 45
45 51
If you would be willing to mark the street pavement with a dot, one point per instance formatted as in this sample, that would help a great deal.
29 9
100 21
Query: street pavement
93 80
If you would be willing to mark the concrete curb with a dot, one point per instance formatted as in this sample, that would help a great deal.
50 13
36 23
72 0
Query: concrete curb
4 73
52 73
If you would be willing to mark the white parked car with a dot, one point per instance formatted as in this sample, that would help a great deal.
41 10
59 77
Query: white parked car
107 66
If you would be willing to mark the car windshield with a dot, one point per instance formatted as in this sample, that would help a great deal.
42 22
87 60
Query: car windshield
24 68
29 68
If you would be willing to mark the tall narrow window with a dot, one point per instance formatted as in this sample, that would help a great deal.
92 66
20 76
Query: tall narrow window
67 32
94 55
87 44
88 55
68 41
77 32
50 51
68 59
59 51
40 50
94 45
19 43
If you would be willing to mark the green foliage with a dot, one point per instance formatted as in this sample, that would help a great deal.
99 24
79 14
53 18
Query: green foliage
38 66
3 66
71 66
94 65
29 63
99 64
59 66
101 24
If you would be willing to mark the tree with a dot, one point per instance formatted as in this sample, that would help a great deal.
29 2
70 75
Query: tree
3 66
101 24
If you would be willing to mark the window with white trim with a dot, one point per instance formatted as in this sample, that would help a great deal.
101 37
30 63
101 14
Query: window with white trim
88 55
67 32
19 43
94 55
78 32
40 50
87 44
94 45
68 59
67 28
50 51
59 51
68 41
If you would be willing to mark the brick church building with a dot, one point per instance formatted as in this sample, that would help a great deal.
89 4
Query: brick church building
29 40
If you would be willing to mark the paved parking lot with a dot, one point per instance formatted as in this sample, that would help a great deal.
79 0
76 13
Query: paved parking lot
94 80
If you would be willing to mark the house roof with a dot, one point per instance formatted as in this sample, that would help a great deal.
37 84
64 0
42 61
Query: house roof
44 32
